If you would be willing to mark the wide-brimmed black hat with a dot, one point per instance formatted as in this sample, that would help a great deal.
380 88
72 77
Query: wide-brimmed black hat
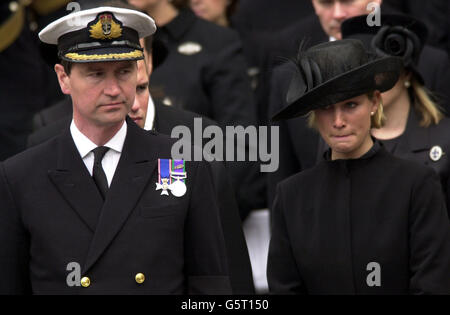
333 72
99 34
398 35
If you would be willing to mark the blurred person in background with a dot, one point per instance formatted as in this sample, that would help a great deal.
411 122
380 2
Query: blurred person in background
216 11
415 128
23 77
207 61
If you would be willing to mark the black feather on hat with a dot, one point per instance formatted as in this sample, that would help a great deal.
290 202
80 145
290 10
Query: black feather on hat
333 72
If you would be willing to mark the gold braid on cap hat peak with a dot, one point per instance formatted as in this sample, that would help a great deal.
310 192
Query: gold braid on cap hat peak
134 54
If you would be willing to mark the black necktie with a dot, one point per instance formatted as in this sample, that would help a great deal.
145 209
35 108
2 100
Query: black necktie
98 173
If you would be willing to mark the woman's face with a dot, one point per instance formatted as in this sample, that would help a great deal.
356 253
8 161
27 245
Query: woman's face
345 126
211 10
145 5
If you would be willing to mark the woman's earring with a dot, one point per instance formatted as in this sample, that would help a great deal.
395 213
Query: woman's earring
407 84
372 113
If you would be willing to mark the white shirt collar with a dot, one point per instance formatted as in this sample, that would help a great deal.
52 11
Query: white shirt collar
332 39
150 118
85 145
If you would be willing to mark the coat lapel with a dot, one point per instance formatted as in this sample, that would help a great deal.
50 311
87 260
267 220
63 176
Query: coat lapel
74 182
135 168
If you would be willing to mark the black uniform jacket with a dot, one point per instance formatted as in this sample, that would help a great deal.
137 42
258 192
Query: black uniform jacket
166 118
246 179
52 214
205 70
332 221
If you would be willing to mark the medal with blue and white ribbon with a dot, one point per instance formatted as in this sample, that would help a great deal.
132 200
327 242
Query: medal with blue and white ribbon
171 176
163 176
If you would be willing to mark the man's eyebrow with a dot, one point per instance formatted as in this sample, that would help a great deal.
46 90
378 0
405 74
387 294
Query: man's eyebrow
146 83
93 68
126 66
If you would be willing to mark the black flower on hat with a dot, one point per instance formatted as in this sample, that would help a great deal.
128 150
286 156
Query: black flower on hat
398 41
399 35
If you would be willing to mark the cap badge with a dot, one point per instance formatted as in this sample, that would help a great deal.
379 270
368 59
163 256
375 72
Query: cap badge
105 27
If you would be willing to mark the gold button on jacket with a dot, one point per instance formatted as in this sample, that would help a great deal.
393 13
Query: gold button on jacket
140 278
85 282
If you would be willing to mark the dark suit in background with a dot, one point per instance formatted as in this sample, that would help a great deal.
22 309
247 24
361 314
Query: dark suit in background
205 70
21 79
269 15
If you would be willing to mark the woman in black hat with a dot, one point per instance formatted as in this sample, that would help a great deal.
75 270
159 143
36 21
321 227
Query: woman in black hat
361 221
415 128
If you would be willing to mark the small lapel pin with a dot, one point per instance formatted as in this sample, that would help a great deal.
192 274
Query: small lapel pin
189 48
436 153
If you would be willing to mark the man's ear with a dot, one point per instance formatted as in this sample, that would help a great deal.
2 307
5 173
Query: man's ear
63 79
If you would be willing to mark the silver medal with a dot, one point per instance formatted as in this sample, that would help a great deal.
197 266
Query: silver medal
178 188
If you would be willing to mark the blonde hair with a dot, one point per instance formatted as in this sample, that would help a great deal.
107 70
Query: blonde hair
376 121
424 104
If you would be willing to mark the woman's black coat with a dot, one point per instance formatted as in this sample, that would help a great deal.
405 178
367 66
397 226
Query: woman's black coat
331 224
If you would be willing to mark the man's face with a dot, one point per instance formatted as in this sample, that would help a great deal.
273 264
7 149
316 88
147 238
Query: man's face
211 10
102 92
139 109
332 13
